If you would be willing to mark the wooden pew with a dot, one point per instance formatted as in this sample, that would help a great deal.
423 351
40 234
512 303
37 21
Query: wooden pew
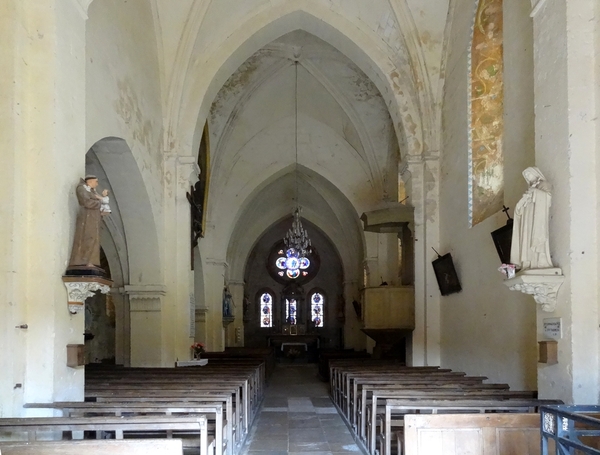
367 395
223 375
362 385
233 428
249 396
440 394
326 356
213 411
506 434
94 447
398 410
194 426
241 379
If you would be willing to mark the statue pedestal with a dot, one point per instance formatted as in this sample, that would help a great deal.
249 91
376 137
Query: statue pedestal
227 320
543 284
79 288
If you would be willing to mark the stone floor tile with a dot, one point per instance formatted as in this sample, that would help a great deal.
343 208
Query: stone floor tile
321 402
308 446
269 444
344 448
323 410
311 453
313 423
263 435
339 438
275 402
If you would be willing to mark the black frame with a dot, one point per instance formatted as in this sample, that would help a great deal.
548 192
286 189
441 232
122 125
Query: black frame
446 275
503 241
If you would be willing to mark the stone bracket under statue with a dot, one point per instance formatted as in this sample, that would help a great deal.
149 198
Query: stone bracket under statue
543 284
80 288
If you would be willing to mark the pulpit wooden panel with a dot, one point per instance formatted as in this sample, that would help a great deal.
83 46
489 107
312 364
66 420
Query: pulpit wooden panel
388 307
477 434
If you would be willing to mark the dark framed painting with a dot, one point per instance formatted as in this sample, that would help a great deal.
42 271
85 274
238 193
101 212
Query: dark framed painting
503 240
446 275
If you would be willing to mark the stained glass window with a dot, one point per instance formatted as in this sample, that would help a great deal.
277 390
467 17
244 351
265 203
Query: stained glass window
317 302
291 315
266 310
291 264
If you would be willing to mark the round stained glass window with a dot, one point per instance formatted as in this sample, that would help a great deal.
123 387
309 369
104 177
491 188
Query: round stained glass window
287 265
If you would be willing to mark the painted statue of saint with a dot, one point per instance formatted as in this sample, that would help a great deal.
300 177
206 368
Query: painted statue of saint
530 238
86 244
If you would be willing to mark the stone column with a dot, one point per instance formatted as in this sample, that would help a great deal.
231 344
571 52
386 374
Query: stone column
235 330
145 313
353 337
214 281
566 151
122 330
422 180
42 125
176 317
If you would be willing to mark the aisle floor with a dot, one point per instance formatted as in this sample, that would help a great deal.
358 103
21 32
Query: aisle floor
298 417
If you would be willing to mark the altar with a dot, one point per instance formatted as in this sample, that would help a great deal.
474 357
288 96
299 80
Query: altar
295 346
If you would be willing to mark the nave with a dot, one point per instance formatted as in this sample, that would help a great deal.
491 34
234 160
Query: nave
244 403
298 417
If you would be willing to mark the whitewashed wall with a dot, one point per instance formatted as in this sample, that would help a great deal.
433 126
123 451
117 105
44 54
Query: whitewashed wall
486 329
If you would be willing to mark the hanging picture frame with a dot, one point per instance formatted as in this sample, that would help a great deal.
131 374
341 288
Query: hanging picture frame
446 275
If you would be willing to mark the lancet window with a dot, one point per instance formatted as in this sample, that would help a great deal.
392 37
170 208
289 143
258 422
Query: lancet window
266 310
317 306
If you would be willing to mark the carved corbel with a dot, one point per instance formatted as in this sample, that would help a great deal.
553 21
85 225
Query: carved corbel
543 284
80 288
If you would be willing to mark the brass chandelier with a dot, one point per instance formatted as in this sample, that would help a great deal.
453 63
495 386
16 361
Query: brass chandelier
297 243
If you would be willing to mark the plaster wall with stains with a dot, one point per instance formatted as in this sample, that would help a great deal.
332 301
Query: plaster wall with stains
123 96
486 329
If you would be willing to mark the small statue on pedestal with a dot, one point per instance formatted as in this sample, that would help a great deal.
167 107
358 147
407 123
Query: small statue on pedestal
530 248
227 302
84 276
530 238
86 243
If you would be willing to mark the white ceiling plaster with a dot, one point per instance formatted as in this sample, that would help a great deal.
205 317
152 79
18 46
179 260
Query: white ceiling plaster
345 133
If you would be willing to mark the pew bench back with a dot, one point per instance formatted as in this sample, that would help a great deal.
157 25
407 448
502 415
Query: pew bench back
447 434
95 447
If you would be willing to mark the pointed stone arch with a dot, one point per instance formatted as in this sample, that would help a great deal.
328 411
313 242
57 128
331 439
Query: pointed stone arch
340 223
206 77
135 209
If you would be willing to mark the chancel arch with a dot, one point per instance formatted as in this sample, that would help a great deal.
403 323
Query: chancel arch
325 208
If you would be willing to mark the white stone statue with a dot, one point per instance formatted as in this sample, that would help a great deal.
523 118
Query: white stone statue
530 239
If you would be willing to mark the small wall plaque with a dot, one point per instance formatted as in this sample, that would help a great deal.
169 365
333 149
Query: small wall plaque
553 328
